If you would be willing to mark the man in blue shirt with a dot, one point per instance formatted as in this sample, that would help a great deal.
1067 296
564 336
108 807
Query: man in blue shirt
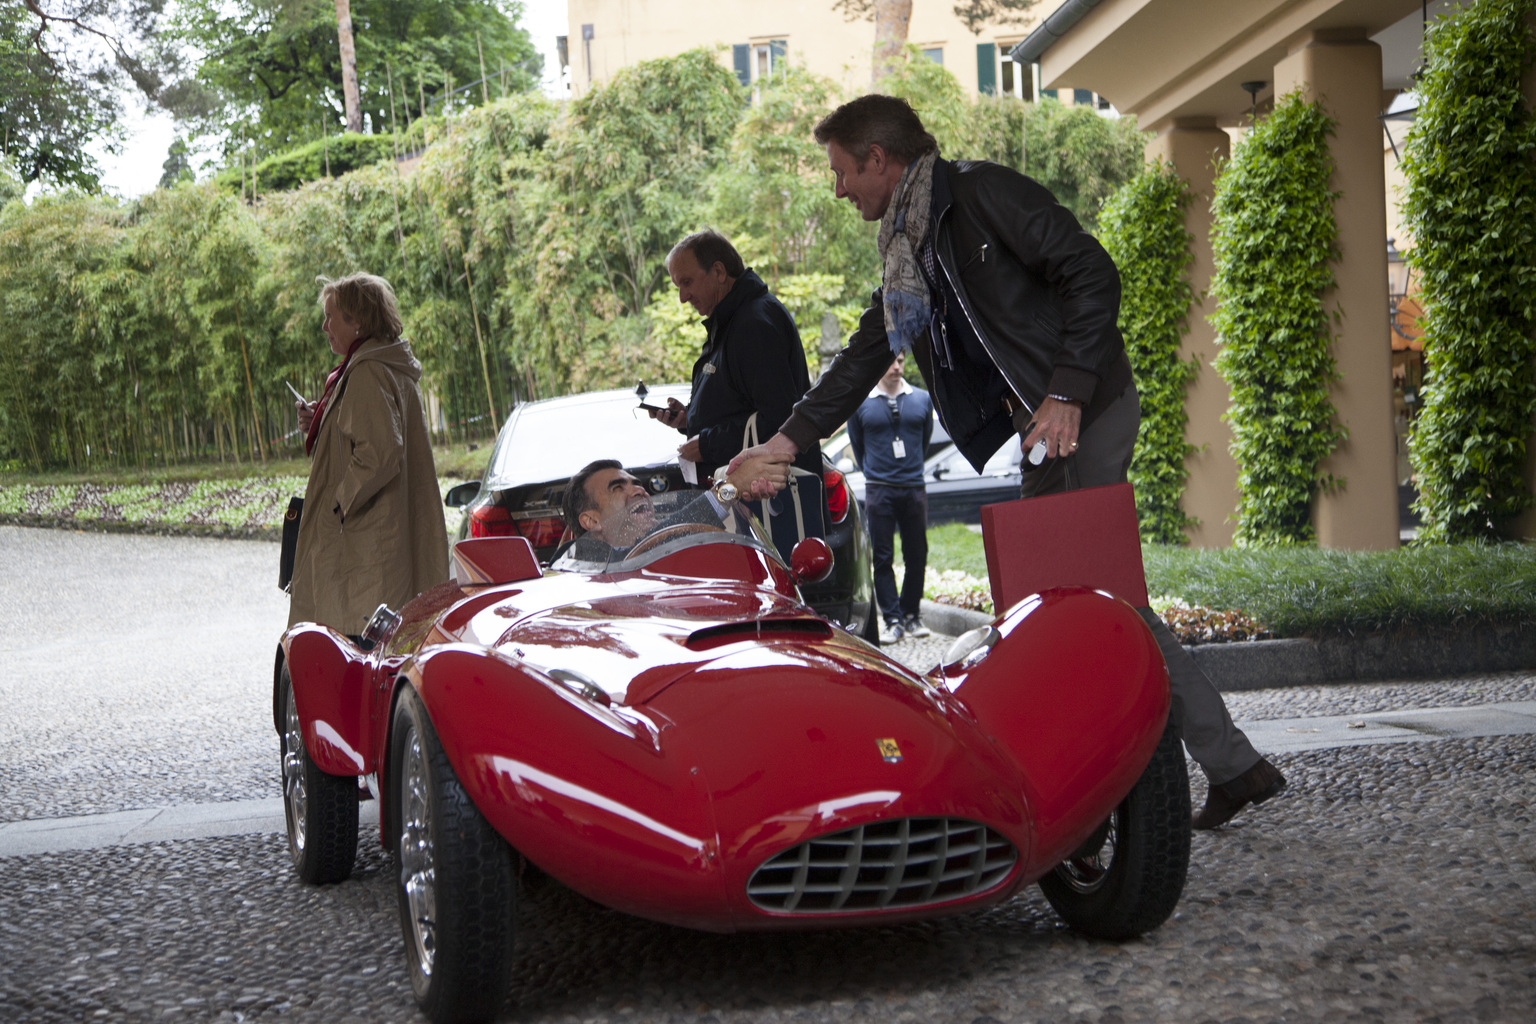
889 434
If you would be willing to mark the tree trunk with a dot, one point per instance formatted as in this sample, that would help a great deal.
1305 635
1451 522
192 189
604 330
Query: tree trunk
349 66
891 20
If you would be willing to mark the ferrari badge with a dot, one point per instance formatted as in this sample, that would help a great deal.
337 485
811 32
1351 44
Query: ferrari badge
889 751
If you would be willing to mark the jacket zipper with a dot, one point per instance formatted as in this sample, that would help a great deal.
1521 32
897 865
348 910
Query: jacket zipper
939 252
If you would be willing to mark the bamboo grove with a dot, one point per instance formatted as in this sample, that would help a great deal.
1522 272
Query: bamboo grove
526 244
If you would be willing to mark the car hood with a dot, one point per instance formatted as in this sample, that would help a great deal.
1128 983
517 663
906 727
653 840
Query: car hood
631 638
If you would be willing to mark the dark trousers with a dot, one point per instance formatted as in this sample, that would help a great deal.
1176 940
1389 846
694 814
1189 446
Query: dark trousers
1198 712
889 509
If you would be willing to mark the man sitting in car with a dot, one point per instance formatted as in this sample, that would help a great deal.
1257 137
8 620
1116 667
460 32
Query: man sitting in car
609 511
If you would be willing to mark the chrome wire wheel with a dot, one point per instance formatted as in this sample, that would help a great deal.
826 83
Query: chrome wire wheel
418 873
295 795
1089 866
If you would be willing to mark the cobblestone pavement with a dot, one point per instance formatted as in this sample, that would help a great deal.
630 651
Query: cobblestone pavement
1390 883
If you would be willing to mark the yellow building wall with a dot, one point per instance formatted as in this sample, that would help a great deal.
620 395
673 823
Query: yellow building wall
625 32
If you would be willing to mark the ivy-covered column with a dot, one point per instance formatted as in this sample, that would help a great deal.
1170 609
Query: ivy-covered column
1341 68
1193 146
1523 526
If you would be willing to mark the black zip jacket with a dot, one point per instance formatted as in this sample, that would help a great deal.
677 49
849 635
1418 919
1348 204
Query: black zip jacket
752 362
1040 293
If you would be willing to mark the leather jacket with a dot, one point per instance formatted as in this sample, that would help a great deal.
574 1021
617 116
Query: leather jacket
1040 293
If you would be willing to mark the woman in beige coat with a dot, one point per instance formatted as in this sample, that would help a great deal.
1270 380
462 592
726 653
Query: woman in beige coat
372 530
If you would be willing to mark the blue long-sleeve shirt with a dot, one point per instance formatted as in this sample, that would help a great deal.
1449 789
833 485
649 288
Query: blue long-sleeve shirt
874 428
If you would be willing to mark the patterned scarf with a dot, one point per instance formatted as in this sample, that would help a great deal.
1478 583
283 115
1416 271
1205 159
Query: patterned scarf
907 306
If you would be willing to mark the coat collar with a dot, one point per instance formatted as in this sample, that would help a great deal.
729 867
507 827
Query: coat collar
747 287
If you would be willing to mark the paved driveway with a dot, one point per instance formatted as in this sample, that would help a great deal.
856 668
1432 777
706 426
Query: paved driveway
1394 881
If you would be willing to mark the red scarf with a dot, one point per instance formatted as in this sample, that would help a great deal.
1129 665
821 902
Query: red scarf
330 382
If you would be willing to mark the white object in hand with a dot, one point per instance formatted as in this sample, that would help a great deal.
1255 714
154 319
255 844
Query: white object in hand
1037 453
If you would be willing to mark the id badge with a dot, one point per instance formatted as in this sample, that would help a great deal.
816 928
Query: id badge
899 448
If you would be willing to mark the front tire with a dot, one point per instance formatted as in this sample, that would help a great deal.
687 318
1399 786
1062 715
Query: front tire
456 888
320 809
1128 876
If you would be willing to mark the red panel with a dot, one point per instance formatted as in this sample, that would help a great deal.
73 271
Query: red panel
494 560
1085 538
330 691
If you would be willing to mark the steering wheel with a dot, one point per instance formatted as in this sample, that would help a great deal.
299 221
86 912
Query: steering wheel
672 532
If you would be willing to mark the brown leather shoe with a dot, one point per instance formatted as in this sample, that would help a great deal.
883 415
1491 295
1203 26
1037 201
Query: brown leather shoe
1254 786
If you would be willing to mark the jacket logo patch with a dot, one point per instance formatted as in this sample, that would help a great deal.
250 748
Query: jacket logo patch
889 751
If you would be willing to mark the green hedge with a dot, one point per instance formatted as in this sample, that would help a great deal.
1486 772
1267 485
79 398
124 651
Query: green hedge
1471 207
287 171
1274 239
1142 226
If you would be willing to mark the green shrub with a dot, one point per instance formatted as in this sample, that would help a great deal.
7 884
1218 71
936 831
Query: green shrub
1471 206
1142 226
1274 239
289 170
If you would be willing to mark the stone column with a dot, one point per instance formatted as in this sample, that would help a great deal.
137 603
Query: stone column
1193 145
1342 68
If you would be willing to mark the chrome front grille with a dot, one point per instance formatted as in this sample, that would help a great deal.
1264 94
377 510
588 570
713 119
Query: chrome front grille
907 862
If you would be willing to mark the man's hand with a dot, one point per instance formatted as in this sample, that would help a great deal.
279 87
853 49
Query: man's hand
1056 423
761 475
689 450
306 411
778 444
674 415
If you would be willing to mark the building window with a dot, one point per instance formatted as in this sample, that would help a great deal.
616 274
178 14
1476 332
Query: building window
935 54
766 60
1082 97
1014 79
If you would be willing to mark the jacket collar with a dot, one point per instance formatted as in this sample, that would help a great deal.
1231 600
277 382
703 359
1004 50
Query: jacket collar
747 287
942 195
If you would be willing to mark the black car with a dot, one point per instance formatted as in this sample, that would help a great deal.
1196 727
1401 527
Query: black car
545 442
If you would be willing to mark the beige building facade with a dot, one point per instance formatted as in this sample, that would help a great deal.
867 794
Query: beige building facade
758 36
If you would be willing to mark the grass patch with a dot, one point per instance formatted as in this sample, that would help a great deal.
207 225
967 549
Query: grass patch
1309 591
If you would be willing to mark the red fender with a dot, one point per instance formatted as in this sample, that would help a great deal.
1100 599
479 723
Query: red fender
1077 691
590 793
330 691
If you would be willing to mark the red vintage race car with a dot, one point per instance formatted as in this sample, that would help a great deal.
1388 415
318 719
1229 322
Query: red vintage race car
669 730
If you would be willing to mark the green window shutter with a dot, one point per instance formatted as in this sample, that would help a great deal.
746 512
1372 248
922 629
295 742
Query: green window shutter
741 55
986 69
1082 97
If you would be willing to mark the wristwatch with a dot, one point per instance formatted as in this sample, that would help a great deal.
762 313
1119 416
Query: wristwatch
725 492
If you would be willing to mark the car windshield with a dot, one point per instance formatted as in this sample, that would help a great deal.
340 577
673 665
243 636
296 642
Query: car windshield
634 533
552 439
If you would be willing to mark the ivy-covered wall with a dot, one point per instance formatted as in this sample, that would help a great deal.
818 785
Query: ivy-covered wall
1142 226
1274 240
1471 206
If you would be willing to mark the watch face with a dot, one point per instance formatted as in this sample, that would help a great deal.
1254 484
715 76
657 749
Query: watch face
726 492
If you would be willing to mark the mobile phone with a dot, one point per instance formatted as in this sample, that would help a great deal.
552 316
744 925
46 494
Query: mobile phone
1037 453
295 392
653 408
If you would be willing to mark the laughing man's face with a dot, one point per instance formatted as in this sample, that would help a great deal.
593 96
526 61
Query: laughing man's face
623 512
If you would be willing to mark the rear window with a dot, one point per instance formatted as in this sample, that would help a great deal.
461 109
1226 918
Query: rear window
553 439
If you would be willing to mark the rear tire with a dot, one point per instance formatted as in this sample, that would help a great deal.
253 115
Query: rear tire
1128 877
456 887
320 808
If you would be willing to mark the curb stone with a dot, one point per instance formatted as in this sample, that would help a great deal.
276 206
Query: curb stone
1261 664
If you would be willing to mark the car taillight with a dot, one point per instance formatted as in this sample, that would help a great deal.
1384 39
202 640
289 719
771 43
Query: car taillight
837 494
490 521
542 531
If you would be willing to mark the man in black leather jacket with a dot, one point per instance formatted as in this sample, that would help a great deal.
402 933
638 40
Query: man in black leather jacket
1010 309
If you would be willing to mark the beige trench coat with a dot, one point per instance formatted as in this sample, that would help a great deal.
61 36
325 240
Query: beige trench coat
372 530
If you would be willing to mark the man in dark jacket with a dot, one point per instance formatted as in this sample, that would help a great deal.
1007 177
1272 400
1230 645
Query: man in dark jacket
1010 309
889 433
752 361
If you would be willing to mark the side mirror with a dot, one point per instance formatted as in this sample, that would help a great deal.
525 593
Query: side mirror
845 465
461 494
811 561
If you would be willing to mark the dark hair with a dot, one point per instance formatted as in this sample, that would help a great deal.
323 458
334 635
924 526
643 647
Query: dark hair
875 119
577 500
710 247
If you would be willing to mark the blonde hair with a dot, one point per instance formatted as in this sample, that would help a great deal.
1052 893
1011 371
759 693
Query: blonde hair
368 301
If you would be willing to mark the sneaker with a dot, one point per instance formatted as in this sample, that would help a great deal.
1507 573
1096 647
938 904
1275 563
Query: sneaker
891 633
914 627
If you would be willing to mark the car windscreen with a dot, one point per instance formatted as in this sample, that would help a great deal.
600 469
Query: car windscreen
632 534
553 439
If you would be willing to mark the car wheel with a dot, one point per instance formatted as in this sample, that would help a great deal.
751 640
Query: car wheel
1128 876
456 887
320 808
